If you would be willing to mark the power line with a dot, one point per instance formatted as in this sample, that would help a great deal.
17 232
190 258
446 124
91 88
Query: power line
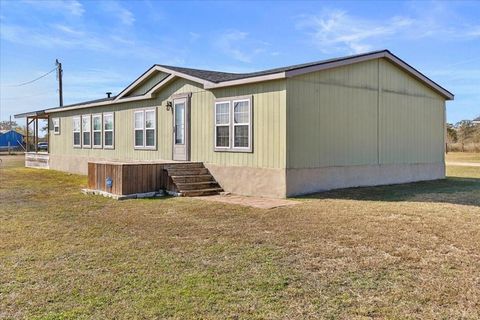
31 81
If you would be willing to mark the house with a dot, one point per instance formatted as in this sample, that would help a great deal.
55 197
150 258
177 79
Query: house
10 139
362 120
476 120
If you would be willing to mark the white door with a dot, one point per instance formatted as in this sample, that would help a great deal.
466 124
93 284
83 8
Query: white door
180 130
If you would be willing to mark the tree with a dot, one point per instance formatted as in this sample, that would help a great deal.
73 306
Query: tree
8 125
465 131
451 133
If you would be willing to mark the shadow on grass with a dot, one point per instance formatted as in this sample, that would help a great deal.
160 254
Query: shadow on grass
465 191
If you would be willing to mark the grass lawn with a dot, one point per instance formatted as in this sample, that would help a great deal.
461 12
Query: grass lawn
463 156
395 252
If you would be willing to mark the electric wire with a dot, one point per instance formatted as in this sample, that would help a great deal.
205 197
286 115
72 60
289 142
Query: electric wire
31 81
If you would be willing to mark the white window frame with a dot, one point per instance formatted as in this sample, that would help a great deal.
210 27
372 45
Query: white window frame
79 119
249 124
232 125
56 125
105 115
89 118
222 148
144 129
95 146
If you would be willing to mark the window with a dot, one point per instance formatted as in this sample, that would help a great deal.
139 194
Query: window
139 128
241 123
145 129
56 125
86 132
233 125
76 132
108 131
222 124
97 130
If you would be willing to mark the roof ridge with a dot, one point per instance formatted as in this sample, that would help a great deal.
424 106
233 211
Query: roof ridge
275 69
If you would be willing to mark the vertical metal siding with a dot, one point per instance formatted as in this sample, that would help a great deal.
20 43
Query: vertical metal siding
269 137
362 114
148 83
332 117
411 119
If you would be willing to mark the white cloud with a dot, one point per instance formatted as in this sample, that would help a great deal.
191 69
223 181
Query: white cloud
65 38
335 30
239 46
72 7
124 15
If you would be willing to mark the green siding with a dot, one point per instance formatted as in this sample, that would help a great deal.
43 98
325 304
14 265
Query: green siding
269 109
148 84
411 119
362 114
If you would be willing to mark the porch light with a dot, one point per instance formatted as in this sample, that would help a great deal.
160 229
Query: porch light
169 106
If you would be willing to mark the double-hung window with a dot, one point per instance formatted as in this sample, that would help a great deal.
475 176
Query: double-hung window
97 130
233 124
222 125
76 132
56 125
108 131
86 131
145 129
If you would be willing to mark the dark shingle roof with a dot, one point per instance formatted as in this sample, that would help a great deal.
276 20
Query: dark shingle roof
82 103
218 76
476 119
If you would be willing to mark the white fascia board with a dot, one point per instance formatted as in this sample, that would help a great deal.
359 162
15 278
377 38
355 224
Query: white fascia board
420 76
135 83
160 85
98 104
185 76
333 64
385 54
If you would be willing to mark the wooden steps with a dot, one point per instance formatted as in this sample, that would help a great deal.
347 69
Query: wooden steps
191 179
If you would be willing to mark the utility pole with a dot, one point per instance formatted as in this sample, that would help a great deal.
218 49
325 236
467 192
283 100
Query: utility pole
59 77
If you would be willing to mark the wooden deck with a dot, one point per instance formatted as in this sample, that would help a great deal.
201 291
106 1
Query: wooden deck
142 177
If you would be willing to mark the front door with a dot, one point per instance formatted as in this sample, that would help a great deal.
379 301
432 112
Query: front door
180 130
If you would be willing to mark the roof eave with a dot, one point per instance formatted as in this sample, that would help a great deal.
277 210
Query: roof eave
29 114
377 55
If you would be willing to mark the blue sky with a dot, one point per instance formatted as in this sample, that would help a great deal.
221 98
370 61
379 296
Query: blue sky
104 46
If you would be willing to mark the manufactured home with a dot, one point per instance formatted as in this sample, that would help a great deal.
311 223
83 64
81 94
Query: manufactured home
363 120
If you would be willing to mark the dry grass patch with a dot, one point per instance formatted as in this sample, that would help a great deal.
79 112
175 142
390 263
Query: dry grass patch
463 156
397 252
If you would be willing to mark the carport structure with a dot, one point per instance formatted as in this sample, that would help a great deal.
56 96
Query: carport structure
34 157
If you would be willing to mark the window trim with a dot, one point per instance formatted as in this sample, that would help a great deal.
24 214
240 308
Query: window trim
79 131
249 124
89 117
220 148
104 115
96 115
56 126
232 125
144 129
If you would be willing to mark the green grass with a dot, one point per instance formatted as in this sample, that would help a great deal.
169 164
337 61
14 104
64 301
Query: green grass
393 252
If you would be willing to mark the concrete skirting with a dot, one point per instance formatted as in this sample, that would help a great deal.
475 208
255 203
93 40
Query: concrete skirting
305 181
247 181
